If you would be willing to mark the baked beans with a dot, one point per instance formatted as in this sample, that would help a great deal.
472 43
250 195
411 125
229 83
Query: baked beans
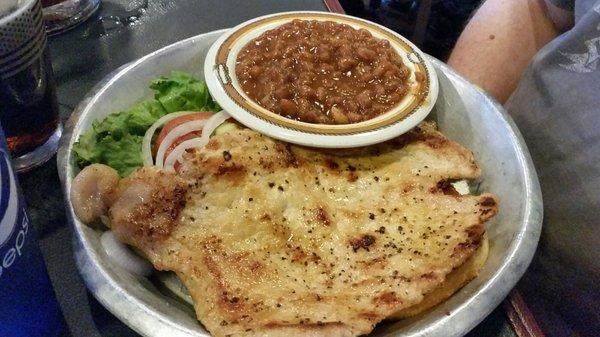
322 72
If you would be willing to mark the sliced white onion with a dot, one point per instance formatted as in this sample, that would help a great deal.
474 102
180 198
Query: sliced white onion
123 256
147 141
105 220
174 284
211 125
462 187
173 135
180 149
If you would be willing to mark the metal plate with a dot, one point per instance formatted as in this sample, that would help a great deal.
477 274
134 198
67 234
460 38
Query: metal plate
464 114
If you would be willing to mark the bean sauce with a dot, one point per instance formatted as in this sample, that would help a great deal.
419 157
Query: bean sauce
322 72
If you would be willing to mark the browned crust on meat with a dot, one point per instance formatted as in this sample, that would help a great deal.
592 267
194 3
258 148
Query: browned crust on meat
323 216
291 241
363 242
445 187
153 218
305 326
389 299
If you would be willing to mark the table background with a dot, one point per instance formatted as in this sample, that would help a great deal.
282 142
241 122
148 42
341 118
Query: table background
122 31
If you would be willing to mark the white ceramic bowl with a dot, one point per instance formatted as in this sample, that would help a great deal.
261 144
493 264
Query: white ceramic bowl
219 70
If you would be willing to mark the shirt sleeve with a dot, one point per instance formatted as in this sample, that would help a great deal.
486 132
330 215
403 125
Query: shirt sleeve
564 4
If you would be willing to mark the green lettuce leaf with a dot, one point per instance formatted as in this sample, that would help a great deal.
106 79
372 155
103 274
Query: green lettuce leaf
182 92
124 155
86 150
143 115
117 140
113 125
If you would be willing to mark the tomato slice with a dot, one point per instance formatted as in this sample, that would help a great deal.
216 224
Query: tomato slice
175 123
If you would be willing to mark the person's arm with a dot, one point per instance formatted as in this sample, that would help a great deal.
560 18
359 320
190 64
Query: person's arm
501 39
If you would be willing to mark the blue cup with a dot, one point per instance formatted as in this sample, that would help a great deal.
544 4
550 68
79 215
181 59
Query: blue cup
28 306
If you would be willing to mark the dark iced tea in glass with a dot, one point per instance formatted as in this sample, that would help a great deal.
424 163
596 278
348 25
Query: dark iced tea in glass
28 107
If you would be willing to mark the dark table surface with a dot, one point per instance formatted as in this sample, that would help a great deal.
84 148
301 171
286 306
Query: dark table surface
117 35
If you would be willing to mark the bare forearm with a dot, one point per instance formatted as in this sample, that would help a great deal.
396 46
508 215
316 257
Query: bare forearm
500 41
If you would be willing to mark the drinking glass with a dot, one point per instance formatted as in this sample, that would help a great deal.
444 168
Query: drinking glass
28 105
61 15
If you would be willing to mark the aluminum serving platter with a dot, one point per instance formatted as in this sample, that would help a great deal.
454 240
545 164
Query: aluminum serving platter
463 113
